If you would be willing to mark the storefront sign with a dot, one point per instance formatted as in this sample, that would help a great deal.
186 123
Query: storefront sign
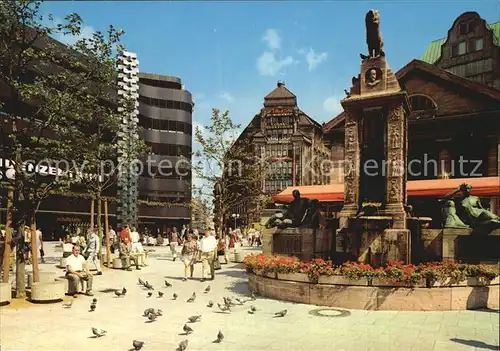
280 112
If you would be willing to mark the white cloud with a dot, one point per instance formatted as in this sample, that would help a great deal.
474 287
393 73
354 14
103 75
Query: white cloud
332 105
226 96
269 65
313 59
272 39
86 32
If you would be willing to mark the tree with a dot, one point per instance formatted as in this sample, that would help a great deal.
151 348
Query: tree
49 96
200 214
229 169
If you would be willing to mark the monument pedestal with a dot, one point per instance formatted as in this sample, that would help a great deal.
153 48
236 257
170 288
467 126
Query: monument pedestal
304 243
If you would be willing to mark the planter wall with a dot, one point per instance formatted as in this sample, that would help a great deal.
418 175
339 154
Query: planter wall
339 280
296 277
388 283
378 298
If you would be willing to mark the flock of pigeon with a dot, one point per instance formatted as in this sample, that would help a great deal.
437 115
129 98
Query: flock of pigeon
152 314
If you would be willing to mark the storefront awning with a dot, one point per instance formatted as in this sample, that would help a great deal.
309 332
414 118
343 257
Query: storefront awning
481 186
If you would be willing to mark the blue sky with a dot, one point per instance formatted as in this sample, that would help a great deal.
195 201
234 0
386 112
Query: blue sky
231 54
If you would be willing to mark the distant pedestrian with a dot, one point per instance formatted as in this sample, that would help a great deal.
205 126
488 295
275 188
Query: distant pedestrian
173 243
92 250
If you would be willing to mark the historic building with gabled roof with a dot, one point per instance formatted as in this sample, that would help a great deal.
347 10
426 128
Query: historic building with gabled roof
290 141
454 93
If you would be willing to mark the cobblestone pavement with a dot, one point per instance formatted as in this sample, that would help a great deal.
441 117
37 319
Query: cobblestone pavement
27 326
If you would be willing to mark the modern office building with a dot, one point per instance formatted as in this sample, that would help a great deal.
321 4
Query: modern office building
165 118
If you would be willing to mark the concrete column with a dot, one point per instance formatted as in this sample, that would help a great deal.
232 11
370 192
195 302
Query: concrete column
351 166
396 156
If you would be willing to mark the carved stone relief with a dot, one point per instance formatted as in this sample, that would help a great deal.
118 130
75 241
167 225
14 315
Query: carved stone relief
394 190
396 163
396 113
349 191
394 136
350 138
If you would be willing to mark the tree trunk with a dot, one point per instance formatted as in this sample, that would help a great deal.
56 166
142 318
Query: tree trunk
8 237
99 218
92 214
34 248
20 264
108 245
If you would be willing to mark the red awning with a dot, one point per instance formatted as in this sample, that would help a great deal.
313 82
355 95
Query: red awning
481 186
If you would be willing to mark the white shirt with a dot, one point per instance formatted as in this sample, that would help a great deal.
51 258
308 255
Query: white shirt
75 262
208 244
112 234
135 237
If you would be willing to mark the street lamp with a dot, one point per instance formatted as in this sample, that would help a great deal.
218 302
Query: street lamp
235 216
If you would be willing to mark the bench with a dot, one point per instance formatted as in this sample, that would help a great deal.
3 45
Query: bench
50 291
5 293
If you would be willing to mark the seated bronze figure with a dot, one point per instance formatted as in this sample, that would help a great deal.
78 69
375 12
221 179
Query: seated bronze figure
472 212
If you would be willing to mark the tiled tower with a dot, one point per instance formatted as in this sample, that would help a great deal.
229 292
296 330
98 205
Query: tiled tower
128 94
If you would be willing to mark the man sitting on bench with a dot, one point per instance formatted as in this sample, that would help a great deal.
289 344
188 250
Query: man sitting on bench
77 271
125 255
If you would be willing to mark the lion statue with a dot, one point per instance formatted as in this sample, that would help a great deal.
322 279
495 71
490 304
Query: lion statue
373 36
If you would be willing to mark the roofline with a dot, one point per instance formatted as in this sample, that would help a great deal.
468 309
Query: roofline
446 75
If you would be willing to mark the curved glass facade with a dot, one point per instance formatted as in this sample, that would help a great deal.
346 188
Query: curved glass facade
165 118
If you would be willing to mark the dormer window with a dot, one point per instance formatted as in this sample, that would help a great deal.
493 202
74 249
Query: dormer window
422 106
464 27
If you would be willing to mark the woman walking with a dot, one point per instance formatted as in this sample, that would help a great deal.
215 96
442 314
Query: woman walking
189 255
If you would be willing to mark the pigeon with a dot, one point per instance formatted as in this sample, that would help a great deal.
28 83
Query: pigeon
158 312
68 305
137 344
281 313
152 316
240 301
124 291
148 311
194 319
174 296
160 294
183 345
148 286
94 300
150 294
118 293
220 336
207 289
192 298
167 284
92 307
140 281
187 329
98 332
210 304
223 308
253 309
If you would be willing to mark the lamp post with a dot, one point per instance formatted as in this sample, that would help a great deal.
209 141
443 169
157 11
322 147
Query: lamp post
235 216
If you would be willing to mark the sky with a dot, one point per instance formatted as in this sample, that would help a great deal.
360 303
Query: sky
230 54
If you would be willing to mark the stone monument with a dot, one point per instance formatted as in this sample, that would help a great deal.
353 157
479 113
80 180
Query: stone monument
376 147
299 231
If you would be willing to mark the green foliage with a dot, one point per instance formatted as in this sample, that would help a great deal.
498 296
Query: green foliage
228 164
60 101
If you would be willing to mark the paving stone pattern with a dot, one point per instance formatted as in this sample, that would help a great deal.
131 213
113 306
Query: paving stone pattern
27 326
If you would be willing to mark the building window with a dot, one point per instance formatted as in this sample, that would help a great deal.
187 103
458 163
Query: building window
454 51
464 27
462 48
479 44
421 103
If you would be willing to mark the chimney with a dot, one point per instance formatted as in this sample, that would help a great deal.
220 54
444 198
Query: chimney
281 83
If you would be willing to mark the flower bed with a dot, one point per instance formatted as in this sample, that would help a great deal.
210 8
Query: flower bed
431 274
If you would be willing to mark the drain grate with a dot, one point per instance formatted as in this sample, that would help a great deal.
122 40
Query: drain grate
329 312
